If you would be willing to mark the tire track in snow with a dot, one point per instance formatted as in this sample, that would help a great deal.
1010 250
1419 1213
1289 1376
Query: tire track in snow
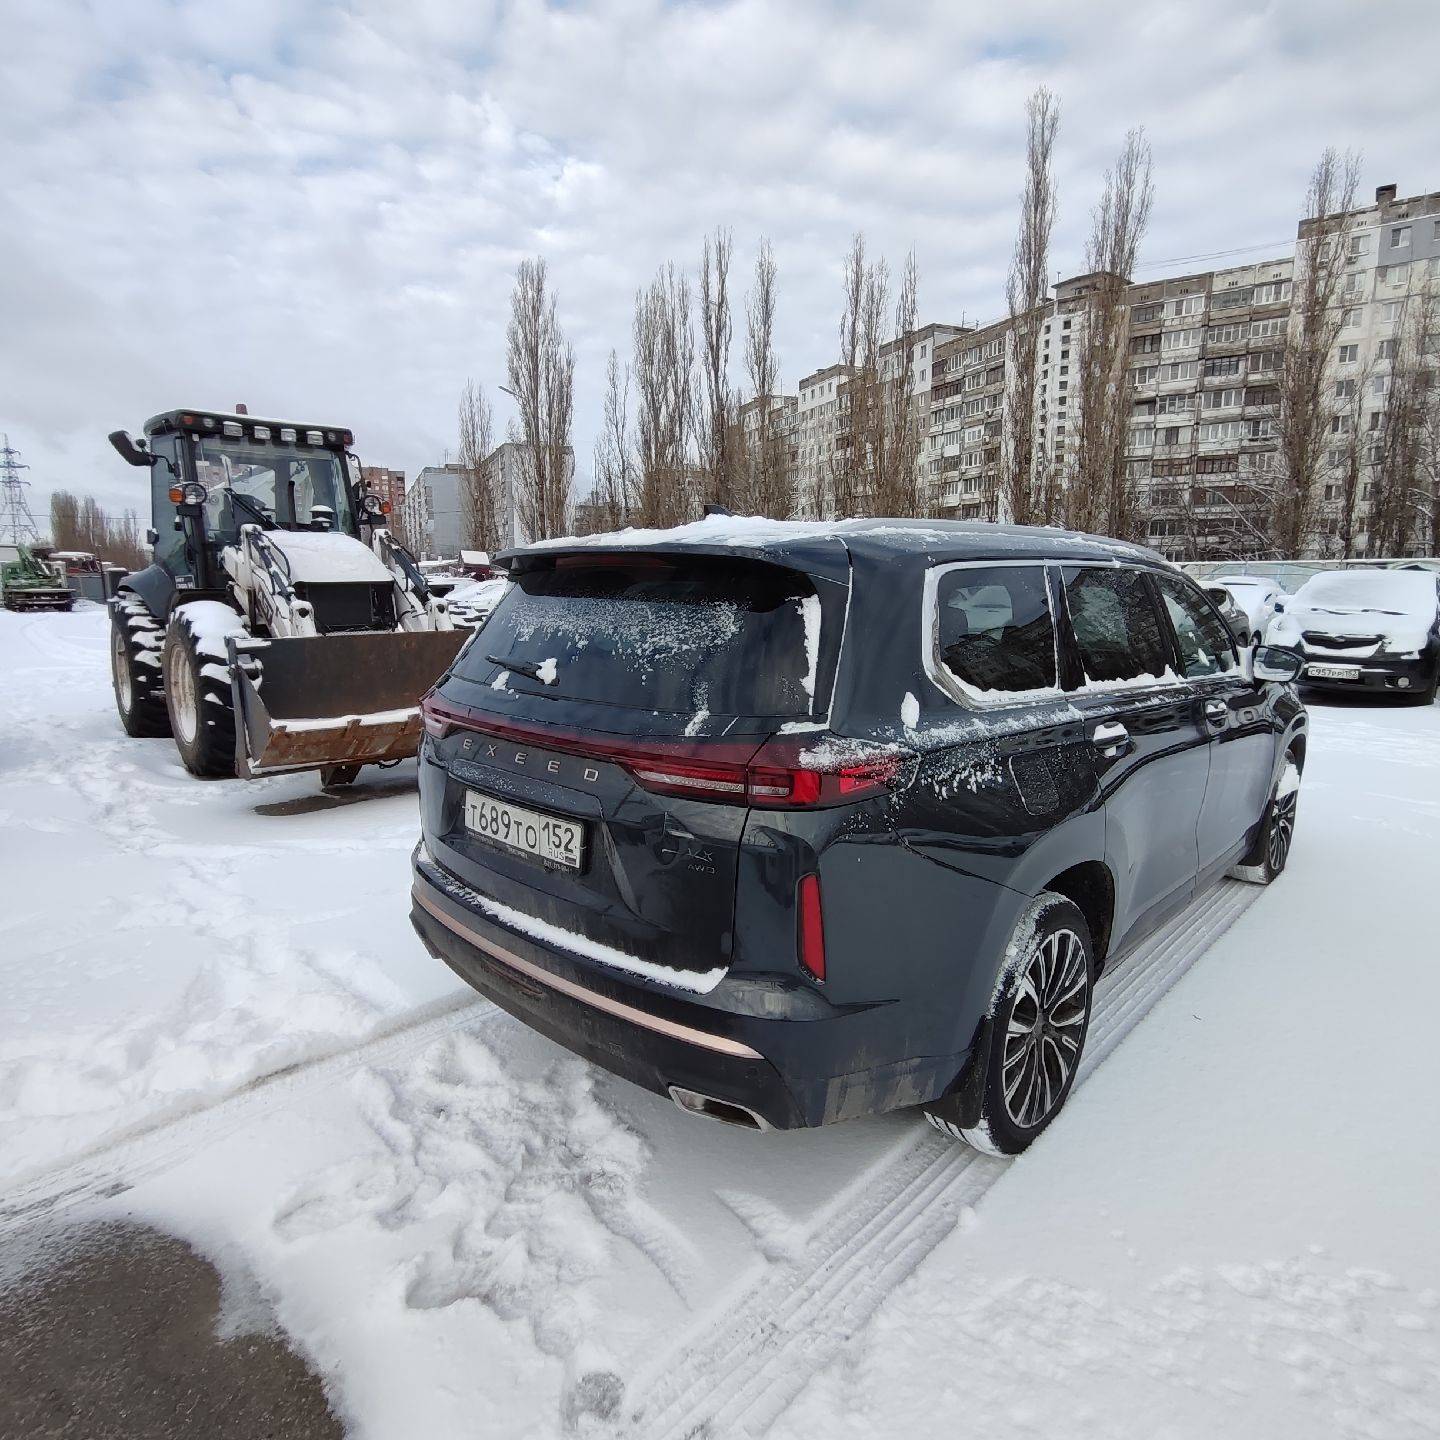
735 1371
166 1138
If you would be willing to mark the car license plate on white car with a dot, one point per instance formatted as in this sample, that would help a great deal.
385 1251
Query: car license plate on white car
1333 672
525 832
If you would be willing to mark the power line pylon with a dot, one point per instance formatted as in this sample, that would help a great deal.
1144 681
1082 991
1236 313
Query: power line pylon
17 523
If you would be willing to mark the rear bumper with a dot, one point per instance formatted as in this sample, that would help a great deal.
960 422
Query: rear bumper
1378 675
790 1072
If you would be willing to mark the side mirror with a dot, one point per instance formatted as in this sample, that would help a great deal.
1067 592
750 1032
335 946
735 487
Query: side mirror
1272 662
132 452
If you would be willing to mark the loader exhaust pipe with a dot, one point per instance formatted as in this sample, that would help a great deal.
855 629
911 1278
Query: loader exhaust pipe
320 701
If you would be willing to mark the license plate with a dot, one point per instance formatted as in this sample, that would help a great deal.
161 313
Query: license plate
1333 672
525 832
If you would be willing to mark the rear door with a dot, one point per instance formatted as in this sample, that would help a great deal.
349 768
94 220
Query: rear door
618 698
1151 753
1231 713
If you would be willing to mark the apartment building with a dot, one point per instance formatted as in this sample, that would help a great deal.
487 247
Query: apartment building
1391 287
432 511
505 469
817 431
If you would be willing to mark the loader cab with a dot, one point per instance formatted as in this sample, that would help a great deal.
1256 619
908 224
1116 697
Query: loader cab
272 473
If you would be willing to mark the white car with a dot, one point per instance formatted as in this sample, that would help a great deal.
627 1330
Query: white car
1256 595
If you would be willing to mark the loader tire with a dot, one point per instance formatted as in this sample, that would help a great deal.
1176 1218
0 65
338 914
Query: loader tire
197 695
136 640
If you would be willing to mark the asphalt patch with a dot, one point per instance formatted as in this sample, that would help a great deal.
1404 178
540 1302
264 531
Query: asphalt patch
117 1331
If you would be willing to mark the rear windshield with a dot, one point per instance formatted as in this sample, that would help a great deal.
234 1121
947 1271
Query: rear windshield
696 636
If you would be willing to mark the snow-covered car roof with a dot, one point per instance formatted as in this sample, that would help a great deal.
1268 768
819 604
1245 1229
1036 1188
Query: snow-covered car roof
823 546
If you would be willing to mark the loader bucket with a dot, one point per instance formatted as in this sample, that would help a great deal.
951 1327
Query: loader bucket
320 700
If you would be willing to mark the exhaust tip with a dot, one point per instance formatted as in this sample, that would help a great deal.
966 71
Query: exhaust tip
728 1112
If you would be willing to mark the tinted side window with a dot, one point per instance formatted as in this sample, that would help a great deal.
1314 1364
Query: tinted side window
995 629
1205 644
1117 627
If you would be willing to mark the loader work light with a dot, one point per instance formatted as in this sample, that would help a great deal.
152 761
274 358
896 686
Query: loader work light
233 428
261 432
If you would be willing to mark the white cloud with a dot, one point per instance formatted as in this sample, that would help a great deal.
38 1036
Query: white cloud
318 209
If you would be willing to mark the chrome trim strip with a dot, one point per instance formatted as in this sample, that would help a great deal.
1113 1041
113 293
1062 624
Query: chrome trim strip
721 1044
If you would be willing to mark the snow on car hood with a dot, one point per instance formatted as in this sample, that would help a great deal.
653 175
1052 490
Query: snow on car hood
321 556
1399 606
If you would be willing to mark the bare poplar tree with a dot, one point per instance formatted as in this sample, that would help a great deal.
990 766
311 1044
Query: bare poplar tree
768 488
717 459
862 432
479 523
1303 419
1101 494
843 478
896 489
541 366
1026 292
665 399
614 491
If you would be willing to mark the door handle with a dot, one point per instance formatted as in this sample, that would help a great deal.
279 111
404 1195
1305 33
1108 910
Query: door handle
1112 738
1216 710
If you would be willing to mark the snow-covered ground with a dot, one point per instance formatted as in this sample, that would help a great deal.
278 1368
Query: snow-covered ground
214 1017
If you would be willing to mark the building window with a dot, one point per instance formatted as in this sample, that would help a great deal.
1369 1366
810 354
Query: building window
1349 354
1385 350
1344 389
1359 244
1390 311
1399 236
1350 319
1224 399
1273 293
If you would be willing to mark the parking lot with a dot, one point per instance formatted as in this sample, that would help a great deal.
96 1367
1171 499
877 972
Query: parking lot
218 1022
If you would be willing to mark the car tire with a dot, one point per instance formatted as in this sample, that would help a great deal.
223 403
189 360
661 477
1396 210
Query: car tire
1041 1014
1267 858
198 700
1427 695
135 668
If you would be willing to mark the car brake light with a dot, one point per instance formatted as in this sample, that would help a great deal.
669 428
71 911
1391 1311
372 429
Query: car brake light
435 721
778 774
811 926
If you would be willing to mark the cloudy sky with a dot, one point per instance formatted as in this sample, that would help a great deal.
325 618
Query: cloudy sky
317 208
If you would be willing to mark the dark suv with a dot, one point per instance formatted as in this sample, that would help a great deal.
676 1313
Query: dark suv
798 822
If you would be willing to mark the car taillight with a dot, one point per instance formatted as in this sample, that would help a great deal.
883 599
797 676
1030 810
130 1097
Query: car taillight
778 777
786 772
811 926
435 720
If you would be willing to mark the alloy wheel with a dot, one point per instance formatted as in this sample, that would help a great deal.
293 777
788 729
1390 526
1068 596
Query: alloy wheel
1282 817
1045 1029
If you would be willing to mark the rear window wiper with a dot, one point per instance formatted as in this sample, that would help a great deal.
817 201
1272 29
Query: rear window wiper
545 673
